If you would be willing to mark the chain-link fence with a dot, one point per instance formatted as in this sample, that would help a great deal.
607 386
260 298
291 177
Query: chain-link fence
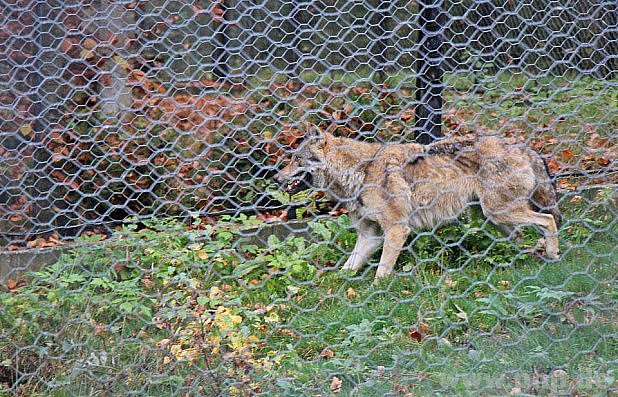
140 144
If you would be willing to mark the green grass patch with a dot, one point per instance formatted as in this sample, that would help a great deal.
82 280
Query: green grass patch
172 309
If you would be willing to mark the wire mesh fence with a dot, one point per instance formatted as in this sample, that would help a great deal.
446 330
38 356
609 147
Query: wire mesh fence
202 170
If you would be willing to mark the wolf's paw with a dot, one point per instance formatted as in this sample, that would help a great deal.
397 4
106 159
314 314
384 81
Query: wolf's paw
351 264
382 273
552 256
550 251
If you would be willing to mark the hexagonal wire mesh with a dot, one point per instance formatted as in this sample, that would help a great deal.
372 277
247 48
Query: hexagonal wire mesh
124 112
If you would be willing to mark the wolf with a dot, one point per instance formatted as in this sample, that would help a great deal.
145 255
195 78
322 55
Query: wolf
390 189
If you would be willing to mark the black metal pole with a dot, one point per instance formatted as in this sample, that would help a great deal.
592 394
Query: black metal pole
380 21
429 85
221 70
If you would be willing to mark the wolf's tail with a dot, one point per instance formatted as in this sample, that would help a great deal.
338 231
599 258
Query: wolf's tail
544 194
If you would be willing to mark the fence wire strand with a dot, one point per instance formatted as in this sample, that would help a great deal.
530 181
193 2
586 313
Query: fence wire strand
147 248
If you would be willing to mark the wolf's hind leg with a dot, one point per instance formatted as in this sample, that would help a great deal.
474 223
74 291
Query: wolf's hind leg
367 242
394 239
522 215
509 231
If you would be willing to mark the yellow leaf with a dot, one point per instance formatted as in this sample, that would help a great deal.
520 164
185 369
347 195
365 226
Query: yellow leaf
122 62
86 54
214 292
25 129
225 320
272 318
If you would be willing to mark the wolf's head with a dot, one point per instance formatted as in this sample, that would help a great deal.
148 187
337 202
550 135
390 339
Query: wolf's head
307 168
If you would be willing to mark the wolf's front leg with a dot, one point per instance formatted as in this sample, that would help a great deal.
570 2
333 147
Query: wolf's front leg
394 239
367 241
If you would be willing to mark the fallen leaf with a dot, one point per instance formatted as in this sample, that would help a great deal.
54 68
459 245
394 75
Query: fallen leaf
563 183
414 334
335 384
567 154
554 166
419 332
575 199
26 130
406 117
106 80
351 294
89 43
118 267
327 353
348 109
11 284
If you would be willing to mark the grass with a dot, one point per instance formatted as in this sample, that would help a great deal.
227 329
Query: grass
471 343
203 310
488 329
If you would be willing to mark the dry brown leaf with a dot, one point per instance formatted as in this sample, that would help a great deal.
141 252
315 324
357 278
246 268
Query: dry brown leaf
327 353
351 294
554 166
414 334
335 384
89 43
11 284
567 154
564 183
406 117
348 109
419 332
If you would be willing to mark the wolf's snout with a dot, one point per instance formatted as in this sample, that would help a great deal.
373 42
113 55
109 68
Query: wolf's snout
279 178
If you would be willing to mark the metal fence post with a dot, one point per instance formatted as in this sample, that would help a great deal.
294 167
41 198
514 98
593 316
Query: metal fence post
429 85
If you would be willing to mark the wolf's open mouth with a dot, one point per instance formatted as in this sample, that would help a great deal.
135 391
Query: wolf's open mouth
300 184
293 185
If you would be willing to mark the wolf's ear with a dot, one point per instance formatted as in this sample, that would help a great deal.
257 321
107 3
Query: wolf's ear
314 132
